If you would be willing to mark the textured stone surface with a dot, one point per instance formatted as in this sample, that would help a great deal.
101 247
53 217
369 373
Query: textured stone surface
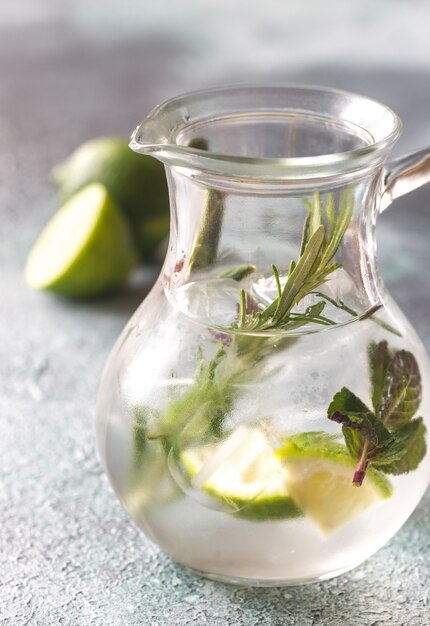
69 555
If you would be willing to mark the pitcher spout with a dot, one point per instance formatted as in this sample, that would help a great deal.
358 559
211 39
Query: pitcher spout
290 134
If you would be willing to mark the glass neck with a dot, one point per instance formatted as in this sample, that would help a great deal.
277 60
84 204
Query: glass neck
234 250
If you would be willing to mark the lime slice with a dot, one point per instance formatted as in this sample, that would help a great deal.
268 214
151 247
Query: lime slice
320 474
137 183
85 250
243 473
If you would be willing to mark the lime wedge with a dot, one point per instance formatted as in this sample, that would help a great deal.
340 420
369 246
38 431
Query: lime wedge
320 474
85 250
243 473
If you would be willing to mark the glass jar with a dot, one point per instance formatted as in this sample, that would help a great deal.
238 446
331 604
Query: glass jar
262 417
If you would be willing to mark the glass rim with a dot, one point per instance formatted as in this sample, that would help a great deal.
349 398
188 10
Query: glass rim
158 132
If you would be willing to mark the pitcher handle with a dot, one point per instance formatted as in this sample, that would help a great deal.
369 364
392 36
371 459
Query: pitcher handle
404 175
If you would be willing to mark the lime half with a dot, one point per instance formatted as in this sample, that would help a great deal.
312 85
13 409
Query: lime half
85 250
243 473
320 474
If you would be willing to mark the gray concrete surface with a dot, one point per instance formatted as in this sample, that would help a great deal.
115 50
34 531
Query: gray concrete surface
69 555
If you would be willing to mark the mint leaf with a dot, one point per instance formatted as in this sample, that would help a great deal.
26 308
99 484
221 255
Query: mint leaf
387 437
379 359
351 412
402 394
344 401
354 441
413 439
360 425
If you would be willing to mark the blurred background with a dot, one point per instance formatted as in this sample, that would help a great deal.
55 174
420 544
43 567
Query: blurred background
78 69
75 70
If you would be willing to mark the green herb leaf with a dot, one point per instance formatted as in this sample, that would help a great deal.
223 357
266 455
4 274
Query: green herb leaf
354 441
277 280
298 276
242 307
379 359
401 396
200 411
315 310
348 410
329 210
368 440
413 437
238 272
305 235
340 227
346 402
315 213
386 438
313 268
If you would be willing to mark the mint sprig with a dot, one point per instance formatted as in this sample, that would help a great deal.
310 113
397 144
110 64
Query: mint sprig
388 437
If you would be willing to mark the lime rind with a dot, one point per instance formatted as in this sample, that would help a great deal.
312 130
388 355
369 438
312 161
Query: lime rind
319 445
311 475
264 509
243 474
320 472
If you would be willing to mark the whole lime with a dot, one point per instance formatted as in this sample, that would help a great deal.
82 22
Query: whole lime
137 183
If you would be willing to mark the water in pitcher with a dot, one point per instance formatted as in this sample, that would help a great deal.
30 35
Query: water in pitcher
266 495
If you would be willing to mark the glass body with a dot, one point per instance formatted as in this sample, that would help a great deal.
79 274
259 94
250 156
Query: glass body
262 417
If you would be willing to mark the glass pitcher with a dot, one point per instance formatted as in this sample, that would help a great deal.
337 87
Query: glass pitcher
263 416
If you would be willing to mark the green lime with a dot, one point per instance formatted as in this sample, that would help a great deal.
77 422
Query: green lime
320 471
243 473
85 250
137 183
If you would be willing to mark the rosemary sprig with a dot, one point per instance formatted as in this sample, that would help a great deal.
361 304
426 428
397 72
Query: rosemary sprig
313 268
370 313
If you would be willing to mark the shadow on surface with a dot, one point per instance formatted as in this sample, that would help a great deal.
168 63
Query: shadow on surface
122 302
